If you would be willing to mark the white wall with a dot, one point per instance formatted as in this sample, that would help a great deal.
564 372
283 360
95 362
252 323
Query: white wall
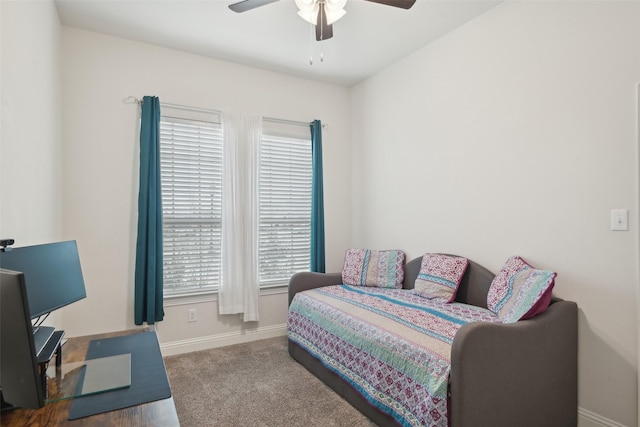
30 130
101 173
30 160
516 134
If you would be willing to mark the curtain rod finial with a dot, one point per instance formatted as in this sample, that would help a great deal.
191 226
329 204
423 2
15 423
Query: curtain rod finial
132 100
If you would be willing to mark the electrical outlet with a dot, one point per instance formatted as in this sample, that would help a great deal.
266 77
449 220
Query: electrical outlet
193 315
619 220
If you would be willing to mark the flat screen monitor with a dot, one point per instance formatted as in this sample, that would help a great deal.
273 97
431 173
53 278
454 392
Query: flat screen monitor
52 272
19 373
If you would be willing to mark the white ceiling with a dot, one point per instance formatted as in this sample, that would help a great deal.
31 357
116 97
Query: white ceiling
367 39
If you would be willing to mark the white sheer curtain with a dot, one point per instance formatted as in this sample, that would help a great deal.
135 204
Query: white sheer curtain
239 290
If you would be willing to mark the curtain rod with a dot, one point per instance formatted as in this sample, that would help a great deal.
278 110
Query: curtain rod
286 122
133 100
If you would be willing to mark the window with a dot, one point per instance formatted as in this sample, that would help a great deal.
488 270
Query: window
285 208
191 154
191 174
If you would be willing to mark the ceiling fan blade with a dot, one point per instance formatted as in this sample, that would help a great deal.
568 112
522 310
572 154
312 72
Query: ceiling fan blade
404 4
324 31
243 6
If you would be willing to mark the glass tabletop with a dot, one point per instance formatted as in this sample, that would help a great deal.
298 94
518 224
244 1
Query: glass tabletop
88 377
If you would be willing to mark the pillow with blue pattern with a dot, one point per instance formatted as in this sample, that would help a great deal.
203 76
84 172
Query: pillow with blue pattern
440 276
520 291
368 267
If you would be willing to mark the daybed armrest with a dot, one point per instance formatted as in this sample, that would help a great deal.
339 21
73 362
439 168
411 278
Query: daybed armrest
519 374
306 280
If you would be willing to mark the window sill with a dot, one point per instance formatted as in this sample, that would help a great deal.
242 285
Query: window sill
212 296
193 298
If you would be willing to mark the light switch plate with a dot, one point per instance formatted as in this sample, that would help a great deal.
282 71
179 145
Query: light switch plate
619 220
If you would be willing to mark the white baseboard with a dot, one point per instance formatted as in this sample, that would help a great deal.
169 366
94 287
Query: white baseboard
587 418
221 340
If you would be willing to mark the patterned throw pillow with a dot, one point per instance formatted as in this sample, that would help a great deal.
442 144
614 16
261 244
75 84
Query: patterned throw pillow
440 275
366 267
520 291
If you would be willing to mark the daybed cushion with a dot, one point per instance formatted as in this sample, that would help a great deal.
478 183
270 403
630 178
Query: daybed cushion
367 267
520 291
391 345
440 276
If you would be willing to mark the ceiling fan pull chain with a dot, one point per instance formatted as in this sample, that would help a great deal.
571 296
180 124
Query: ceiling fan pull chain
312 36
311 44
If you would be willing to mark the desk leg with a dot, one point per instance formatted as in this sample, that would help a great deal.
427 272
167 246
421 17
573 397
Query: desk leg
59 356
43 378
43 369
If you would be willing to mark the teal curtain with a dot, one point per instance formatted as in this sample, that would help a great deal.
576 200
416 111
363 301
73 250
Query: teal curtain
148 272
317 200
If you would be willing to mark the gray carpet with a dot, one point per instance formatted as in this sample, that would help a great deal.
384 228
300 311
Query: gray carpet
254 384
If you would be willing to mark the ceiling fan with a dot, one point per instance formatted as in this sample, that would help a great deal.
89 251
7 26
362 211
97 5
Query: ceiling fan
321 13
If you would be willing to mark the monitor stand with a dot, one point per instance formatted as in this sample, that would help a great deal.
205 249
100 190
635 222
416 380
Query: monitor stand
45 351
41 336
69 380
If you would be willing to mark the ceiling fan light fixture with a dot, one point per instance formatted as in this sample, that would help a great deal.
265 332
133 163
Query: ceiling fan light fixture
335 4
334 10
309 14
309 9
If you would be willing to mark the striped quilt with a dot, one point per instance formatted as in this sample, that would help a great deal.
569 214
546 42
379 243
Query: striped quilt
391 345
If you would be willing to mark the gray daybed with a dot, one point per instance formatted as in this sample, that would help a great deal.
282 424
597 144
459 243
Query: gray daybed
502 375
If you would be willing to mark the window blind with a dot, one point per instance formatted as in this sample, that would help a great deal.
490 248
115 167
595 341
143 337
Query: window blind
284 208
191 174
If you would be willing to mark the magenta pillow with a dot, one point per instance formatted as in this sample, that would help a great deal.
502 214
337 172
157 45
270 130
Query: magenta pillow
367 267
520 291
440 276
